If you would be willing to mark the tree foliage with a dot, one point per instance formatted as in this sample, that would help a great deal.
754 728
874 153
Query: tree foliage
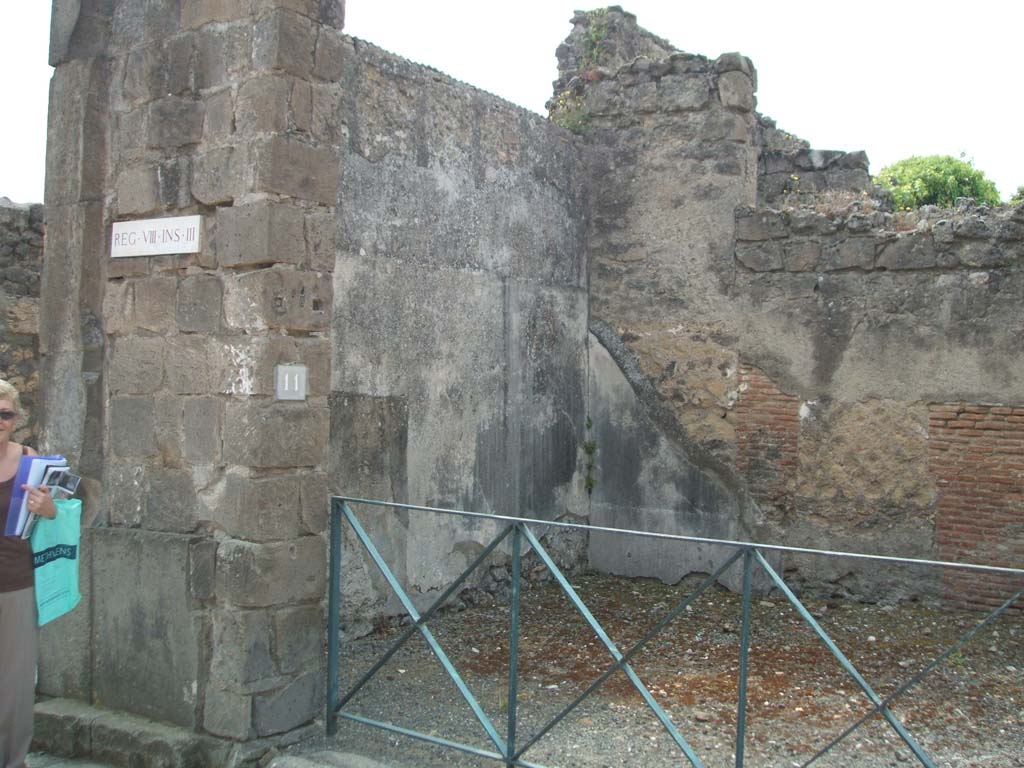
1018 196
935 180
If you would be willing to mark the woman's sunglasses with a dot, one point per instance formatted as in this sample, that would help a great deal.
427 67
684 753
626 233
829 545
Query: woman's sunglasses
8 415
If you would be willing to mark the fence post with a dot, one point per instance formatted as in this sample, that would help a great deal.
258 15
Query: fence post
334 619
741 707
513 647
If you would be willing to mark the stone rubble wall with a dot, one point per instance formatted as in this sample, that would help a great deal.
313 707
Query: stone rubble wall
792 350
671 141
21 262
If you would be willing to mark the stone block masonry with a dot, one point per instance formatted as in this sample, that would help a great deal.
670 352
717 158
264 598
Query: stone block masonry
167 109
976 453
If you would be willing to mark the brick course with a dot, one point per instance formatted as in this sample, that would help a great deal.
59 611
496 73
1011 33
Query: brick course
976 454
767 424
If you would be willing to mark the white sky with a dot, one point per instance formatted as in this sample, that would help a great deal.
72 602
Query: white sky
894 78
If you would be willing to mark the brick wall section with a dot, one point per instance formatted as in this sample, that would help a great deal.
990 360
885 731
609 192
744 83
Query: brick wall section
767 424
976 453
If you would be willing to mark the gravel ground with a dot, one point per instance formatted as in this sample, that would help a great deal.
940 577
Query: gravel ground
968 712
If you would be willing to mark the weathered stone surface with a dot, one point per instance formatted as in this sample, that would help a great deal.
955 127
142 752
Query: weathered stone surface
328 100
296 169
222 55
261 509
63 726
153 302
683 93
298 636
136 365
220 175
328 61
285 41
219 124
849 253
202 565
291 706
286 434
241 658
278 573
315 502
125 492
760 257
263 105
260 233
76 133
760 225
138 191
175 122
203 425
279 299
171 503
195 365
736 91
200 299
145 638
196 13
913 251
801 256
131 427
321 231
228 714
330 12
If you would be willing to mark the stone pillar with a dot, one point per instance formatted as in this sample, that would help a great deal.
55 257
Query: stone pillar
207 495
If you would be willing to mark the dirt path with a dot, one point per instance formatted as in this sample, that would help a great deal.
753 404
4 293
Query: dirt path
969 712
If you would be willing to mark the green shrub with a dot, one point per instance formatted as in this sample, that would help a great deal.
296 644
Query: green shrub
1018 196
935 180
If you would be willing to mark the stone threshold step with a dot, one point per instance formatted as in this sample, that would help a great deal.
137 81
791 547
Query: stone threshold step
65 728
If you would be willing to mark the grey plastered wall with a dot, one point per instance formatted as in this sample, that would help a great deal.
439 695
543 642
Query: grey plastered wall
460 314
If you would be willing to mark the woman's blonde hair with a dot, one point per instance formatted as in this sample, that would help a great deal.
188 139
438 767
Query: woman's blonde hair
8 392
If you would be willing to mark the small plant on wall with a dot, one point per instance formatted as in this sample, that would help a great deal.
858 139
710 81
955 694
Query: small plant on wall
589 450
568 111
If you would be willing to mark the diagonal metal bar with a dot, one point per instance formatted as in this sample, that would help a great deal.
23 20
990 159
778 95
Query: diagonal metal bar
513 646
741 704
645 694
414 627
399 591
334 619
845 663
915 679
639 646
468 748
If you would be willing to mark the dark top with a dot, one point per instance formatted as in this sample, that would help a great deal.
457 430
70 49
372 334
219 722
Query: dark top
15 553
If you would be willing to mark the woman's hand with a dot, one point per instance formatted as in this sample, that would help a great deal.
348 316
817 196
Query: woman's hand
39 501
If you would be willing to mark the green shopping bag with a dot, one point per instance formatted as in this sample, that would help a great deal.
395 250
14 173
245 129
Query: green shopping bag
55 549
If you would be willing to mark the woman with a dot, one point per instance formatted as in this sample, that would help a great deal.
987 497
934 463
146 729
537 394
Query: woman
18 630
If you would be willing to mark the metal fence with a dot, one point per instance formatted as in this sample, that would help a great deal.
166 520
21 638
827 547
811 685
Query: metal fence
506 747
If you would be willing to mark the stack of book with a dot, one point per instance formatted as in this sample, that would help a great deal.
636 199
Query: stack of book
51 471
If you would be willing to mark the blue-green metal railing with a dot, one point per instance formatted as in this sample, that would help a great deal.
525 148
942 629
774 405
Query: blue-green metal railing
505 748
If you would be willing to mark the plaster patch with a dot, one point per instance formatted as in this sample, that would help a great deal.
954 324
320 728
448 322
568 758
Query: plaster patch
243 362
